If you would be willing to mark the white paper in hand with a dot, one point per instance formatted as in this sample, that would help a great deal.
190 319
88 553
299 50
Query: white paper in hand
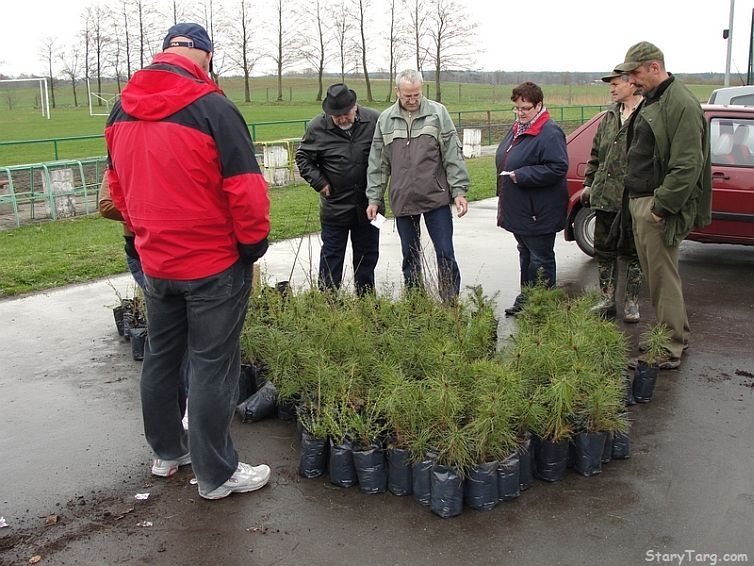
505 173
378 221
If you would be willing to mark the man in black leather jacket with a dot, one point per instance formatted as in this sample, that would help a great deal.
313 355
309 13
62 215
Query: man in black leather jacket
333 158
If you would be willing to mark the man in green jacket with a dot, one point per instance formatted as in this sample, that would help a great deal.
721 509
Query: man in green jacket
604 191
669 183
416 147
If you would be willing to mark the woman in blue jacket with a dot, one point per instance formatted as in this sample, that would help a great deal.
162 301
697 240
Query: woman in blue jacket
531 186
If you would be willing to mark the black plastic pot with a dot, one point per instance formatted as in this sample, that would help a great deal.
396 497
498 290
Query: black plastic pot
551 459
128 317
509 476
628 395
421 477
645 378
371 469
621 446
399 471
287 411
138 342
525 459
607 451
118 316
247 382
589 449
258 406
446 499
342 471
571 461
480 486
313 461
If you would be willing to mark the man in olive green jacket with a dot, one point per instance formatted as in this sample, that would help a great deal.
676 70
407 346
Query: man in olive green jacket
416 147
604 191
669 182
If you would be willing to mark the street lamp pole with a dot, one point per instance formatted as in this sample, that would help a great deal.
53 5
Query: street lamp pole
730 44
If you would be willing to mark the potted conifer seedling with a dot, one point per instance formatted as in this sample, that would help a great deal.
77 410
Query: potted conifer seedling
657 343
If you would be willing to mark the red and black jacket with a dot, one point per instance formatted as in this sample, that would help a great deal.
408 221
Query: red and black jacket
183 173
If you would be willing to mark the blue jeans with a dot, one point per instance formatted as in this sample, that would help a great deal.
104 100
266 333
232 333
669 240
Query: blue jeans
134 266
201 318
536 253
439 224
365 243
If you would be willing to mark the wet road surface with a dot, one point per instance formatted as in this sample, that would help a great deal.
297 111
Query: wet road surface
71 444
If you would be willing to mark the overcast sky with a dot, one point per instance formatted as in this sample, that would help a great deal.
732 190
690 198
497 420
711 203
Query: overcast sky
549 35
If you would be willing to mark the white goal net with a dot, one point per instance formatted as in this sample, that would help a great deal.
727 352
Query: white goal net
100 104
24 94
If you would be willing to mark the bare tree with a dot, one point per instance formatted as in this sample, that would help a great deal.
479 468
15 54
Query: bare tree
177 11
393 51
70 64
240 48
287 40
115 55
48 53
317 42
125 14
343 39
96 18
450 32
418 14
361 6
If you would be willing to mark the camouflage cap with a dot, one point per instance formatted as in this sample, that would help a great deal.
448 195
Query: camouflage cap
638 54
614 75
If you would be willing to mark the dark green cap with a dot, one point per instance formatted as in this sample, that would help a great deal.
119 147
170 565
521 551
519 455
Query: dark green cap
638 54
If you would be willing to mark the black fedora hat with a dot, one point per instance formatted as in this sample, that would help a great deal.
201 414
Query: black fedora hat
339 100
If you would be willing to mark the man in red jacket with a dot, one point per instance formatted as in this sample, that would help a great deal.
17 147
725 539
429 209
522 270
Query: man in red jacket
182 172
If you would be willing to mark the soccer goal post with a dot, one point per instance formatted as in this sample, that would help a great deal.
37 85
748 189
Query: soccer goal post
16 89
100 104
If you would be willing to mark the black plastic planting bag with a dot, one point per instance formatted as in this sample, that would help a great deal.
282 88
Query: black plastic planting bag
509 476
399 476
422 481
138 342
287 411
480 486
645 378
313 461
525 469
628 395
621 446
118 316
260 405
446 499
247 382
589 449
342 472
371 469
607 452
551 459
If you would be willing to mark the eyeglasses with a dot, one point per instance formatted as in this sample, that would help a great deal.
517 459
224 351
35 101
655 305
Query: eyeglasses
522 109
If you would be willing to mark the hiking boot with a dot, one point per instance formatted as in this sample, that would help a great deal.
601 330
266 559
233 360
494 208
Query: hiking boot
670 363
246 478
631 311
167 468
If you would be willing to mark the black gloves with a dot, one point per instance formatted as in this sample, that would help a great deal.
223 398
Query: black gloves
250 253
130 247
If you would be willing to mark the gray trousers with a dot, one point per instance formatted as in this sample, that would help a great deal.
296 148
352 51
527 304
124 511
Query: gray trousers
659 262
202 318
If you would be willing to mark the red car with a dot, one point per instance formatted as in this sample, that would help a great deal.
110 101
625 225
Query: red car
732 149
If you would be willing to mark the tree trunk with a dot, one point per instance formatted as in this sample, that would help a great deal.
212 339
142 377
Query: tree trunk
438 92
364 52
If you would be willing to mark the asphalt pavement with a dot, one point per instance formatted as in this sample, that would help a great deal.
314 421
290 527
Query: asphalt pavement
73 455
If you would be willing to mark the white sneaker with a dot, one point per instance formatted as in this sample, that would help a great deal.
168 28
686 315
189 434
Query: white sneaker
245 478
167 468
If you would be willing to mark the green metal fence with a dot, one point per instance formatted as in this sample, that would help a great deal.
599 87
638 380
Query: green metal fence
493 123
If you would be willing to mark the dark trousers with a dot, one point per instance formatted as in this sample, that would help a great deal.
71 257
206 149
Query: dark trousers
200 318
365 244
536 257
439 224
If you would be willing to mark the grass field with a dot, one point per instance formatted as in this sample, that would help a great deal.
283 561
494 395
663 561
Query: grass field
25 122
51 254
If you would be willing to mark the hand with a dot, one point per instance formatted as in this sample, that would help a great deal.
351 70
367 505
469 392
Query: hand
372 210
585 196
325 191
656 218
513 177
462 206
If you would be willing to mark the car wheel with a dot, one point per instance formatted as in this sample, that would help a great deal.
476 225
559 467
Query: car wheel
583 230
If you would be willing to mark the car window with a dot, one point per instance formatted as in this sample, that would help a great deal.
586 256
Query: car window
732 141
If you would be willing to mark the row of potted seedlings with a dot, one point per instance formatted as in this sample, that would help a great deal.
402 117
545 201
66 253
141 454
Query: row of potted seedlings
414 397
131 322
